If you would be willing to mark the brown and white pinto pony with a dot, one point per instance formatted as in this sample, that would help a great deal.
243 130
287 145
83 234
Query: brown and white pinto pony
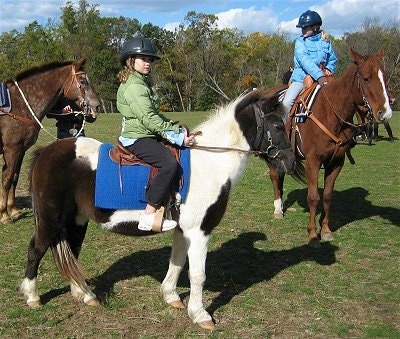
33 92
62 187
363 84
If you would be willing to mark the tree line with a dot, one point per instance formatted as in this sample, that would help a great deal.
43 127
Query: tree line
202 65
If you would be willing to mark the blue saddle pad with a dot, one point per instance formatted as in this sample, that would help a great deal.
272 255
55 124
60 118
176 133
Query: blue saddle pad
108 193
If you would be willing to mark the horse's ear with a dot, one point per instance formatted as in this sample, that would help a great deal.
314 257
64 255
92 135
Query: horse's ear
380 54
270 103
357 57
80 64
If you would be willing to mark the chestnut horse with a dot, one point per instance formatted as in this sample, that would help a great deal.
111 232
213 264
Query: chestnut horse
251 124
327 134
33 93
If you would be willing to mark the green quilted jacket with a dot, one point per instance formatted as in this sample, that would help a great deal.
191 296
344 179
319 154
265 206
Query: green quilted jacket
139 106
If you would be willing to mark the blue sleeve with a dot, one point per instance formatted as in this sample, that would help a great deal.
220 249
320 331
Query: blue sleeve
175 138
332 59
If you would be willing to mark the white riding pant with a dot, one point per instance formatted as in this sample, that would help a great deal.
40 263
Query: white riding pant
291 95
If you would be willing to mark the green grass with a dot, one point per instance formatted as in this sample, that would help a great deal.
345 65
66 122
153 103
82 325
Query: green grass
263 281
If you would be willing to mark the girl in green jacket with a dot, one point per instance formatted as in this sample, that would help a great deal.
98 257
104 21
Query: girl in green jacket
143 126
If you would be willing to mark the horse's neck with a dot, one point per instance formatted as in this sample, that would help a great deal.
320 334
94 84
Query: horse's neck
37 94
222 130
343 94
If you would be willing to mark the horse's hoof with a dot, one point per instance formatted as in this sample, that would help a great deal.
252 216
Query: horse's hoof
15 215
6 221
314 243
35 304
278 215
177 304
92 302
326 236
207 325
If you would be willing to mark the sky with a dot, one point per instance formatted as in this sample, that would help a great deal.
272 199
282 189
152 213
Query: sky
267 16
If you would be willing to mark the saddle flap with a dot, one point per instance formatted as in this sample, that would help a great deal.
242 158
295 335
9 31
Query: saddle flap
5 99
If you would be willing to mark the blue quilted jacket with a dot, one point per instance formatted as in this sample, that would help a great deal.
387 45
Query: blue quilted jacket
309 54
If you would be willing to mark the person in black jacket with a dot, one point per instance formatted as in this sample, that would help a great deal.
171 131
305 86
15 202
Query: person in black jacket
70 119
389 131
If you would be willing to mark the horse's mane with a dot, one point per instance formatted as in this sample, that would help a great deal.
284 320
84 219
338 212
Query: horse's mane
269 101
220 113
41 69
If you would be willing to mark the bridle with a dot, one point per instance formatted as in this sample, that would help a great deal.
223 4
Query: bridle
82 91
271 151
369 115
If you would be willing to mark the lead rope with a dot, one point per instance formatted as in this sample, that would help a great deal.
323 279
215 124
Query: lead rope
32 112
83 124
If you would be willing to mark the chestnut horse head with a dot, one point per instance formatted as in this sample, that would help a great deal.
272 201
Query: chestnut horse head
371 82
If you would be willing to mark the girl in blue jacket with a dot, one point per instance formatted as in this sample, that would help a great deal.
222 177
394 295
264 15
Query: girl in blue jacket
313 55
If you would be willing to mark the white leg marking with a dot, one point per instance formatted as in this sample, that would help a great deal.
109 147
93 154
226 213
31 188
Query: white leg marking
86 296
30 292
278 213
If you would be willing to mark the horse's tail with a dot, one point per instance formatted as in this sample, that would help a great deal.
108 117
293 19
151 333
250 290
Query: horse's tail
300 172
67 263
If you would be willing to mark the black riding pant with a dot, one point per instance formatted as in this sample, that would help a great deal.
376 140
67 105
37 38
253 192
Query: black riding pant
157 155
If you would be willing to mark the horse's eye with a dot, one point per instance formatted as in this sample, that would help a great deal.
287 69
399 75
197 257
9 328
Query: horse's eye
278 127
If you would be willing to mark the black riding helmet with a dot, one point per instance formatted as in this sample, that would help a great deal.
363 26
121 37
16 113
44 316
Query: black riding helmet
138 46
309 18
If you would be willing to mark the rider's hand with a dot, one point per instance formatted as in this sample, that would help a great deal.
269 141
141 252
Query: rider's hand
189 141
322 81
67 109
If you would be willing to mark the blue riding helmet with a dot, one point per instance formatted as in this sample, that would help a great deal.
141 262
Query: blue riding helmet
309 18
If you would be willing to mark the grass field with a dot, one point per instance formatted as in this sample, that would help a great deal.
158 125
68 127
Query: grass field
263 281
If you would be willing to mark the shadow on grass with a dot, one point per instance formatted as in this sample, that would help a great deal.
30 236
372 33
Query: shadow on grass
233 268
23 202
347 206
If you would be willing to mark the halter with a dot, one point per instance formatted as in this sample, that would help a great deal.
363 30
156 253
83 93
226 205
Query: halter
369 115
271 152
